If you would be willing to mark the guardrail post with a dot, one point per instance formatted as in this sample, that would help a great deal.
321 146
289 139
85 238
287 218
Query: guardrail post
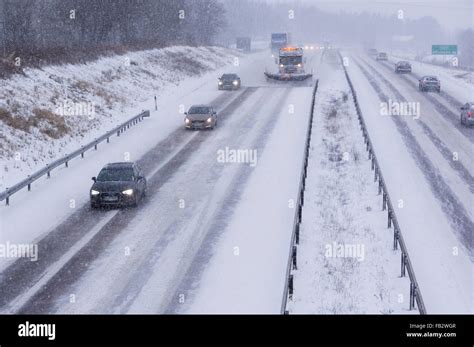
300 209
380 186
297 234
389 223
48 174
403 265
29 185
293 256
290 287
384 203
375 173
7 201
95 145
108 139
395 239
412 295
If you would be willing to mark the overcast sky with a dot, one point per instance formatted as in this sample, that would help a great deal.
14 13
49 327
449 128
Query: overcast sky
452 14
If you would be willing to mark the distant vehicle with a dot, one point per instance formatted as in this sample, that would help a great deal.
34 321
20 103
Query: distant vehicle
118 184
403 67
467 114
200 117
309 47
427 83
229 81
244 44
372 52
381 56
279 40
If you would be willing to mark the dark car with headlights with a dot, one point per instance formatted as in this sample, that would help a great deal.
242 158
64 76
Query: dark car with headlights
118 184
403 67
427 83
200 117
229 81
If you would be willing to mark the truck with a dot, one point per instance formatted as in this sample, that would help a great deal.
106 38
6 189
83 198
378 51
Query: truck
244 44
290 65
279 40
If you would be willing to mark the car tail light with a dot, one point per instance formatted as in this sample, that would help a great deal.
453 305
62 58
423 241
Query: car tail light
469 114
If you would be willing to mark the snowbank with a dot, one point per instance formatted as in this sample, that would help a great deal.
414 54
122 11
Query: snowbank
51 111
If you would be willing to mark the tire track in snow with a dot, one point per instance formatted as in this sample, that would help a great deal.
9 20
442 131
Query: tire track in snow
439 144
23 274
452 208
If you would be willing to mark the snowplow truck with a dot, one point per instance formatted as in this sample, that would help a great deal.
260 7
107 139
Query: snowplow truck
290 66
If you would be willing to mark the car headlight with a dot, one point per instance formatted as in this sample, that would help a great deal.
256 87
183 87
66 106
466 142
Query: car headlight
281 65
235 83
128 192
220 83
94 192
187 121
299 65
209 120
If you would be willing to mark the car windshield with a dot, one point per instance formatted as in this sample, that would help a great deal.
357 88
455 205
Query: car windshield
431 79
291 60
115 174
229 77
199 110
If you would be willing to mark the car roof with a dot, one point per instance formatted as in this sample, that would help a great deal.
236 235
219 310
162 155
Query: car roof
201 105
121 165
403 62
430 77
230 75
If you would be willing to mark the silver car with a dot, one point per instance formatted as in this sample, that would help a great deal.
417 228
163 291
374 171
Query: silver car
381 56
200 117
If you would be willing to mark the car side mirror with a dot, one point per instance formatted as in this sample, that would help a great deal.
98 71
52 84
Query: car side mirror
140 178
94 179
186 113
463 108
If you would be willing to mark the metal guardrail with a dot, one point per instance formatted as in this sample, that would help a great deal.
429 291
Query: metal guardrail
295 235
415 294
5 195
